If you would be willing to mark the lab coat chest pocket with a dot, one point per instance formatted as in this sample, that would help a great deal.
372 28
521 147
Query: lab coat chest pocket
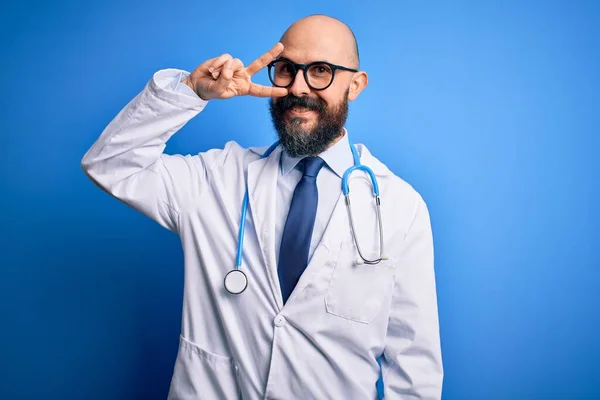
358 291
200 374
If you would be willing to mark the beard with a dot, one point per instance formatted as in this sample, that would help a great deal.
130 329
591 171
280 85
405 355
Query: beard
299 140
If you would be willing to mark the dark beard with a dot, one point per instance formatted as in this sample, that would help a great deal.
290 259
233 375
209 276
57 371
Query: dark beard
299 142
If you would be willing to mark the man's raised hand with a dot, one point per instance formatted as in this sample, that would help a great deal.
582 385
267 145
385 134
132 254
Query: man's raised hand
224 77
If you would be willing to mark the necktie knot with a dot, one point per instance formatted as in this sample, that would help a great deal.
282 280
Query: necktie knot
312 166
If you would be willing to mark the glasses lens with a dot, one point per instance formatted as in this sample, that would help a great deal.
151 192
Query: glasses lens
282 73
320 76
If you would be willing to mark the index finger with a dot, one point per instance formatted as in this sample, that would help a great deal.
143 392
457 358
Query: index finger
265 59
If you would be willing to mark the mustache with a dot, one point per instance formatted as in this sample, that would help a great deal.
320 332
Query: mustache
290 101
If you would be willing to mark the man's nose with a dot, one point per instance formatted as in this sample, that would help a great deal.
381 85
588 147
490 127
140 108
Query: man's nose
300 87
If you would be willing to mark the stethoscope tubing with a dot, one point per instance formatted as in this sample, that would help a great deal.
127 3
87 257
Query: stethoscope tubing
346 191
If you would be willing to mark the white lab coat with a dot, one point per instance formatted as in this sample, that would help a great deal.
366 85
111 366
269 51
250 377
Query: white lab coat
323 344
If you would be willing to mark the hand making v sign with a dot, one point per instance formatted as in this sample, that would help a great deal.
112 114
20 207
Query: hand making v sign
224 77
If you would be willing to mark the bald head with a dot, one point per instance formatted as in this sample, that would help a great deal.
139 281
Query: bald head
323 38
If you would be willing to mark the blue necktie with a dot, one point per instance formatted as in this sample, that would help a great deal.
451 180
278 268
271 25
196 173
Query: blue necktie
297 234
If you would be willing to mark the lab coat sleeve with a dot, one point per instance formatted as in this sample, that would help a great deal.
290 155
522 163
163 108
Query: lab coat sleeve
128 160
412 361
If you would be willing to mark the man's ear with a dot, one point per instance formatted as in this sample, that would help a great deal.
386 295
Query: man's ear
359 82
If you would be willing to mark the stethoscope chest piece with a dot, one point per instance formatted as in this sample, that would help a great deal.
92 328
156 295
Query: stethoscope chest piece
235 281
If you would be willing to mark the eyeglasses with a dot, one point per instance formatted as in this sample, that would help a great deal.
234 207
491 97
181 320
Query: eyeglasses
318 75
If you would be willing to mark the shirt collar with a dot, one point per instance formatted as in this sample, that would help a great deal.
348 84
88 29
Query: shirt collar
338 157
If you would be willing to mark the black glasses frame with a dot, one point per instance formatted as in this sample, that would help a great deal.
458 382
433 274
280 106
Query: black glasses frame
305 68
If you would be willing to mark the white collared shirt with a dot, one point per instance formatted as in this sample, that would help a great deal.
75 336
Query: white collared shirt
338 158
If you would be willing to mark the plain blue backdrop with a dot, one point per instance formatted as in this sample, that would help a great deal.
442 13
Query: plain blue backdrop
491 110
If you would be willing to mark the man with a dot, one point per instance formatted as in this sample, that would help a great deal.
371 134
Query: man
312 321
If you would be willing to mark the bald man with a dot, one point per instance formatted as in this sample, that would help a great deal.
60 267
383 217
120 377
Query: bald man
315 302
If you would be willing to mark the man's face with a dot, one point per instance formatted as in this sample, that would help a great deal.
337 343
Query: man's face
308 121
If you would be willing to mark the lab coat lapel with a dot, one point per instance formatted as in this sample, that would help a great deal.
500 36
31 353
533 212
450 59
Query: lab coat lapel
262 187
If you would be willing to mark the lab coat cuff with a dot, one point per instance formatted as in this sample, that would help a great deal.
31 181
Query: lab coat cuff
166 85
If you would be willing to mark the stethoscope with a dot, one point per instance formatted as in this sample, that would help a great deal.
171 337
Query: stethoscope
236 280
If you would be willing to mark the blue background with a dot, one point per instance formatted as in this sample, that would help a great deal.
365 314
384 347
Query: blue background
490 111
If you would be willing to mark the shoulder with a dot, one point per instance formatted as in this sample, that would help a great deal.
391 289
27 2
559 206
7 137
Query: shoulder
392 180
232 150
231 155
394 189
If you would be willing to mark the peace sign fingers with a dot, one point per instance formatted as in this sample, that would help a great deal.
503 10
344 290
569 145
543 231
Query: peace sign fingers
224 77
264 60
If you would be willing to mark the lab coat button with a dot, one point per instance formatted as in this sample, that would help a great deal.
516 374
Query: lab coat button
279 321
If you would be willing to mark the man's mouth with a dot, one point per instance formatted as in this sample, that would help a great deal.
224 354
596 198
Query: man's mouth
297 110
